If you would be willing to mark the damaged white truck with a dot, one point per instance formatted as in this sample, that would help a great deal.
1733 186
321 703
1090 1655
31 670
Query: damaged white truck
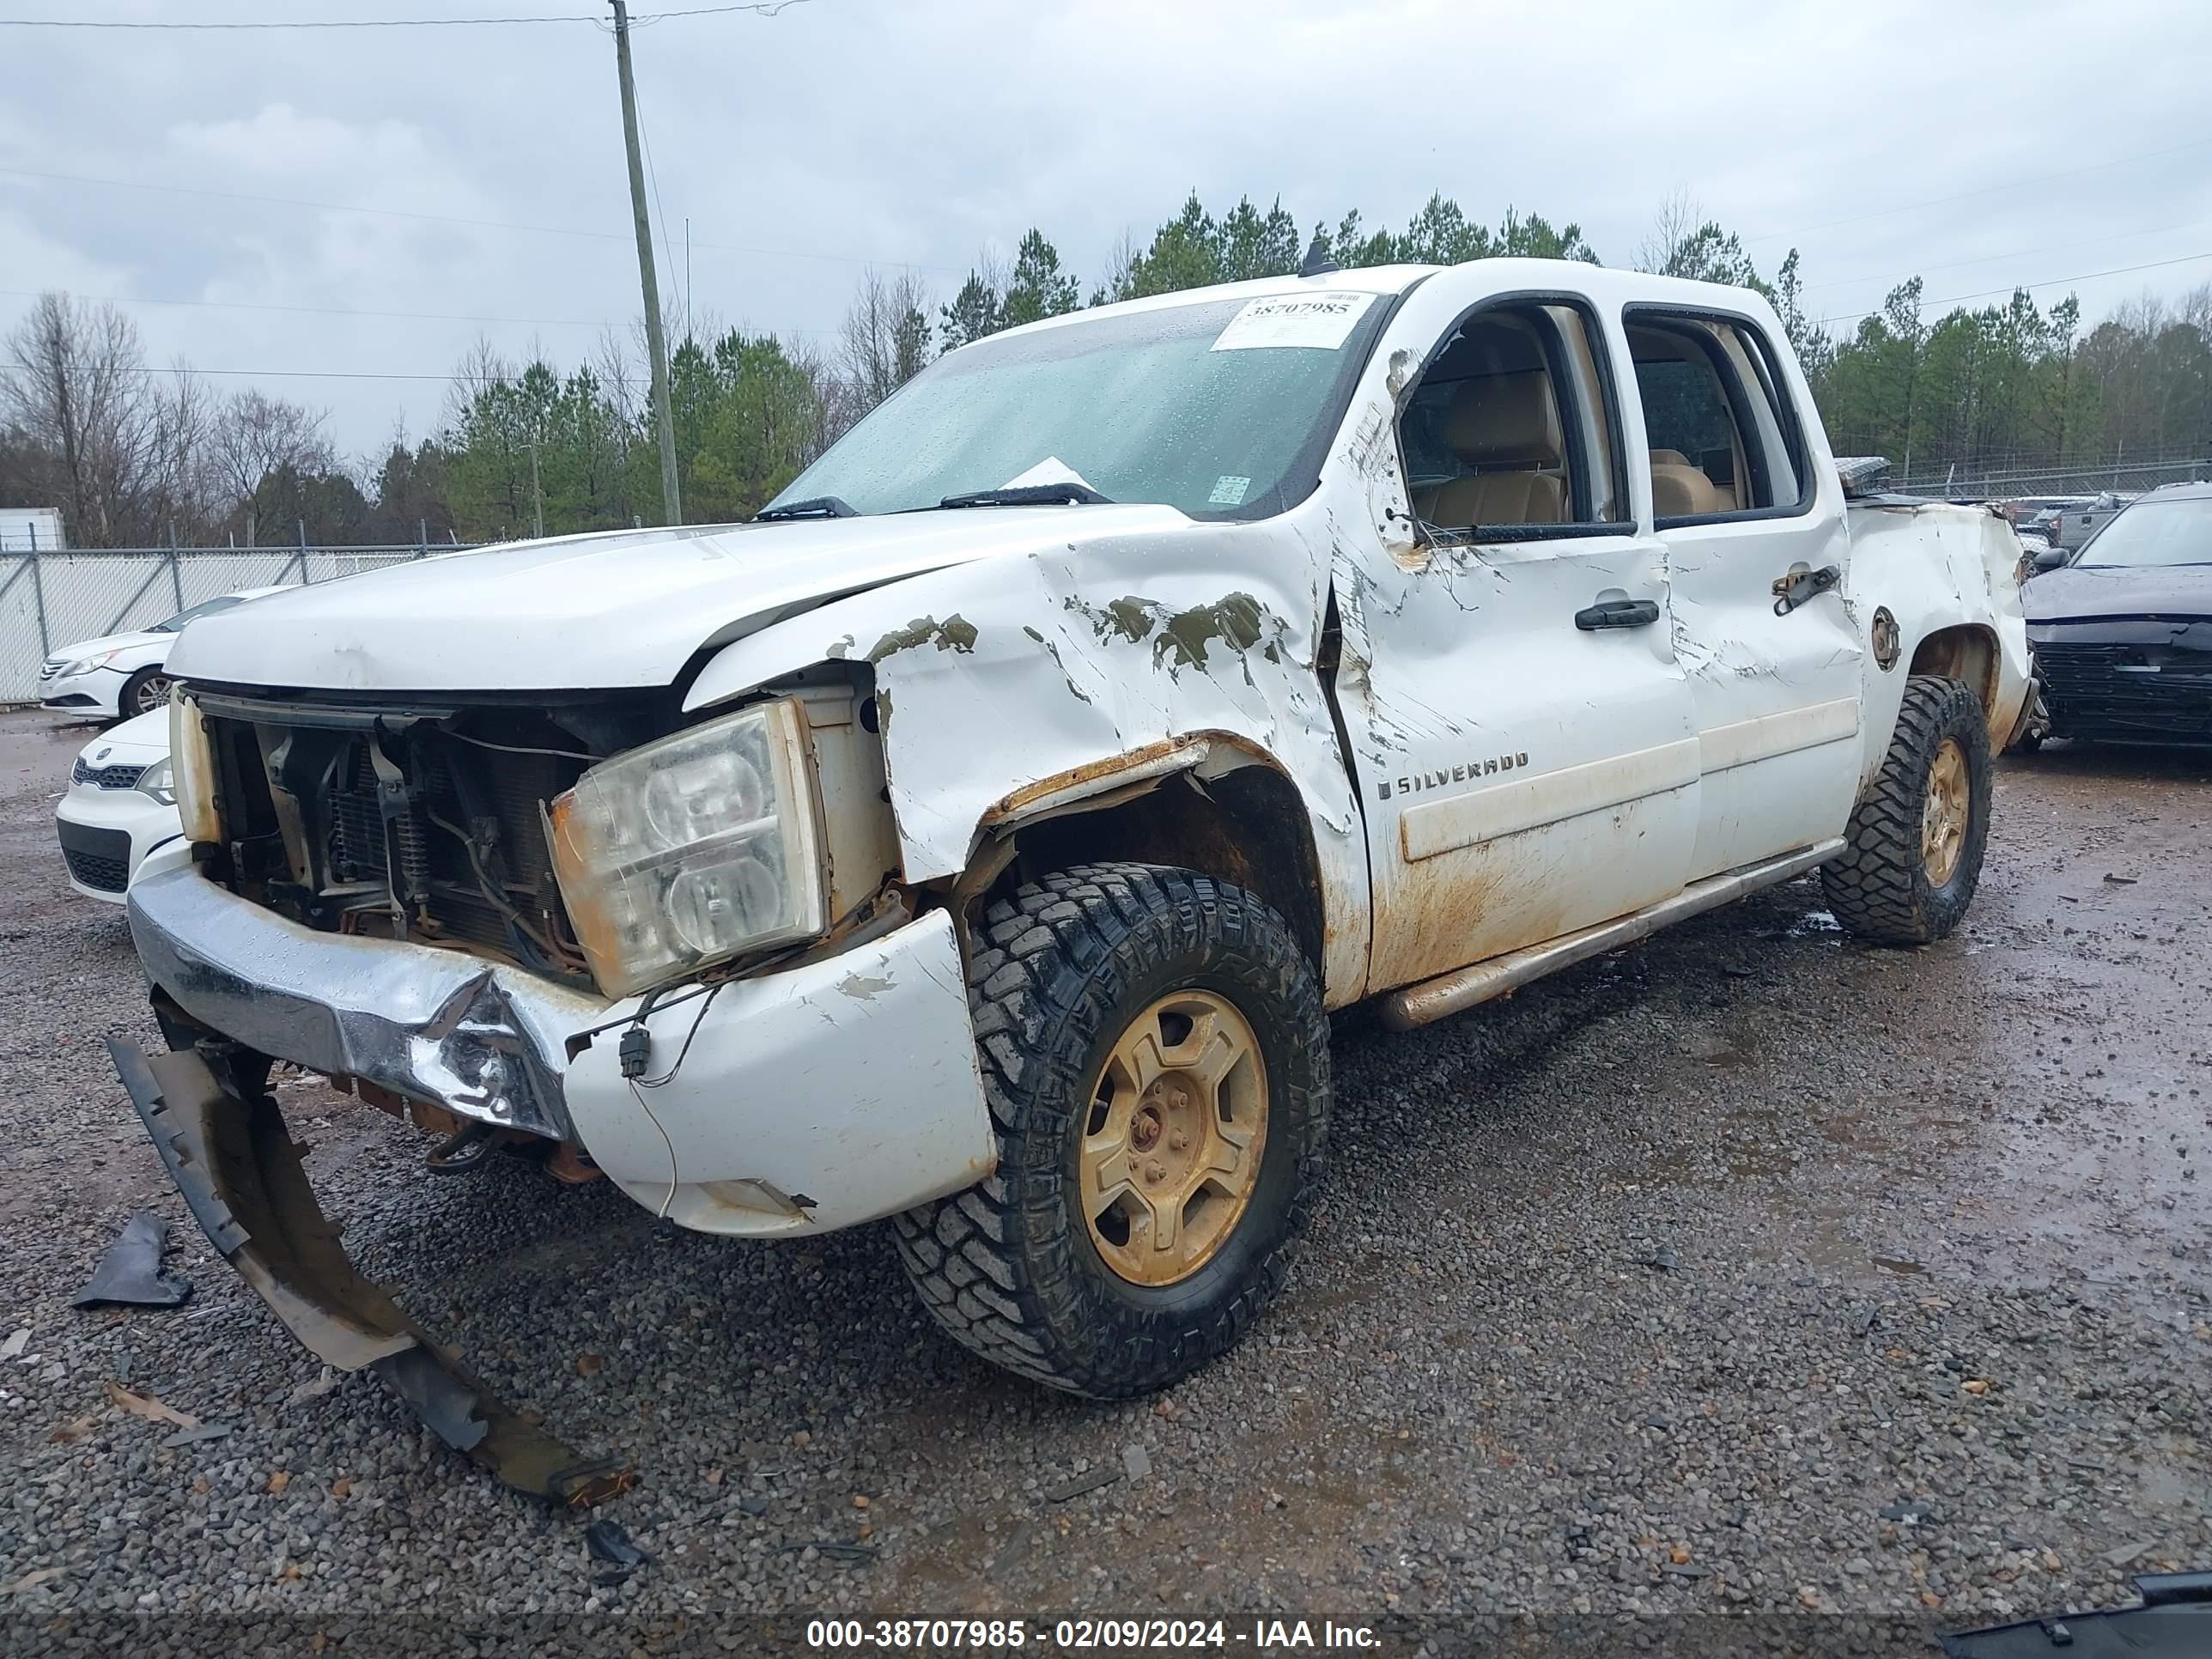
980 838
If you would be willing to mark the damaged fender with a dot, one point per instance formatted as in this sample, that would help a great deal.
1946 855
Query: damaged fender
1077 657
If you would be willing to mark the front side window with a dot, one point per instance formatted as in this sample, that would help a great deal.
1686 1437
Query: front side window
2154 532
1714 417
1223 409
1509 430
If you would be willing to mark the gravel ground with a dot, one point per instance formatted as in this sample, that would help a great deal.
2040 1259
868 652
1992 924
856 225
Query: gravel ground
1750 1271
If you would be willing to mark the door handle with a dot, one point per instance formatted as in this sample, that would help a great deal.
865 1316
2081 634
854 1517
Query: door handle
1617 613
1801 586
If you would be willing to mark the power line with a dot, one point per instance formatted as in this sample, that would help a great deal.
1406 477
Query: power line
762 7
2047 282
1985 190
454 219
1991 258
321 311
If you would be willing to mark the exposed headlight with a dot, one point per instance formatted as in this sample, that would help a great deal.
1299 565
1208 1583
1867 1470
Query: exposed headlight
191 767
155 781
86 664
692 850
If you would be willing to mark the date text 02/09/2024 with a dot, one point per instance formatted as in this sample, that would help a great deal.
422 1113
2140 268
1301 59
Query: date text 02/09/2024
1080 1635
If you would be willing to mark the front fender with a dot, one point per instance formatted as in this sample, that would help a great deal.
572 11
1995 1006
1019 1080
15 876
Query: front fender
995 682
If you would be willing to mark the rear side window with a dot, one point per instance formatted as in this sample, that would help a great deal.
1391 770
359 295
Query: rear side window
1722 436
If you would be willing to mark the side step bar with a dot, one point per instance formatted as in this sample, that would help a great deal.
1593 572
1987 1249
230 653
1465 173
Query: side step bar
239 1173
1417 1004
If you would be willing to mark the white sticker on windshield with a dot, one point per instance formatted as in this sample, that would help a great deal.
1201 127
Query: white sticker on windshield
1320 321
1229 491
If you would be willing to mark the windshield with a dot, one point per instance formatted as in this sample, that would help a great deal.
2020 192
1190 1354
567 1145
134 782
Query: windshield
2154 532
205 608
1222 408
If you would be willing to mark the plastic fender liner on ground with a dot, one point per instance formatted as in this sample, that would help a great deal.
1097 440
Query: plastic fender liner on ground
239 1172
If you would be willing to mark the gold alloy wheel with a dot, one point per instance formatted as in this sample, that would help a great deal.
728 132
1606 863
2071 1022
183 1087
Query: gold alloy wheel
1950 806
1172 1144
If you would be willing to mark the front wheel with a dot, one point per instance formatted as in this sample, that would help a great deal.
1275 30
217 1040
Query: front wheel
1155 1060
1915 845
144 692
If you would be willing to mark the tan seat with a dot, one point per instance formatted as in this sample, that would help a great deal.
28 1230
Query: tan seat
1679 490
1507 428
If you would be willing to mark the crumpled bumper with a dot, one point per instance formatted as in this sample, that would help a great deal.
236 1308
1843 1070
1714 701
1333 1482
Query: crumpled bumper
483 1040
834 1092
239 1173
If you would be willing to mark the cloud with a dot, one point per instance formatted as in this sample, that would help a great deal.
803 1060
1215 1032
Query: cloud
841 132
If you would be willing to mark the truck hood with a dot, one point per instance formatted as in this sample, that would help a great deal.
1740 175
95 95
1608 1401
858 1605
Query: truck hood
2087 593
605 611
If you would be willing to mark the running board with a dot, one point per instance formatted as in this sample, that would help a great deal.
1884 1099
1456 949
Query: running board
1447 993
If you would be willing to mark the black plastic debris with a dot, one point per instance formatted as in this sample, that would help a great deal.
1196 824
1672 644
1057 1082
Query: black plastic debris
2174 1621
830 1549
131 1270
1081 1484
608 1542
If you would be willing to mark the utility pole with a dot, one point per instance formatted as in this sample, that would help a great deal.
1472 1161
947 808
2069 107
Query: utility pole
536 496
656 344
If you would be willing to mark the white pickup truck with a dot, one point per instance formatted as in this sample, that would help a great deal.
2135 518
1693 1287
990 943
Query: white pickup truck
980 838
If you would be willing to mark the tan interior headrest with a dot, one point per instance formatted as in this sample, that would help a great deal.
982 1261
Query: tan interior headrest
1670 458
1683 492
1505 420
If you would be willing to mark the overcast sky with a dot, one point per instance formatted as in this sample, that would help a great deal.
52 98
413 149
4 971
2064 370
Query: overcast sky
2068 139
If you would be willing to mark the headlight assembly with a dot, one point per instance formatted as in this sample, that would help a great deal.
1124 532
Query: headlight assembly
692 850
159 781
191 770
86 664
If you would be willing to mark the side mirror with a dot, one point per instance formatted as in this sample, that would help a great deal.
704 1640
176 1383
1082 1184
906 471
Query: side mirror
2050 558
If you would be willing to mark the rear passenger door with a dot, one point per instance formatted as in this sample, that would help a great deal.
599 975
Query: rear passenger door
1775 697
1521 733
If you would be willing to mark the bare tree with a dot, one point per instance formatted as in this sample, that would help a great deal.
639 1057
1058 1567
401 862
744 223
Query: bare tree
885 342
1119 280
255 434
1673 229
74 382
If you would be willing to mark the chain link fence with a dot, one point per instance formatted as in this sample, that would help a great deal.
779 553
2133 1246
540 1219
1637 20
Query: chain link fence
51 600
2010 481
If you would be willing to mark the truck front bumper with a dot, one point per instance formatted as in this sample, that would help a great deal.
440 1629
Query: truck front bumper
834 1092
828 1094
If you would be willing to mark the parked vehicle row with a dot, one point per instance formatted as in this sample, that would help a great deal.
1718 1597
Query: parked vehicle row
119 675
121 803
2122 629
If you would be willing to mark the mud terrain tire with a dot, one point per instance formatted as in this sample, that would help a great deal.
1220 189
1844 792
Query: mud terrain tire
1910 867
1064 971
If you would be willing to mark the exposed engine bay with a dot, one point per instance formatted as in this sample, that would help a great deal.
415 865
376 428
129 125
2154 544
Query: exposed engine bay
421 821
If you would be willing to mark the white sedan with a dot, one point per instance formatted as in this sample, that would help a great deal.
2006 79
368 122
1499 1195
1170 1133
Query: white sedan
119 675
118 807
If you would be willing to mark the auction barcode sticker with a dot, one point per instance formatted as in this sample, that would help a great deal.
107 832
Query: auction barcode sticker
1318 321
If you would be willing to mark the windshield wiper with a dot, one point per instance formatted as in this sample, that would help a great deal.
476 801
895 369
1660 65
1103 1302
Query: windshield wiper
814 506
1043 494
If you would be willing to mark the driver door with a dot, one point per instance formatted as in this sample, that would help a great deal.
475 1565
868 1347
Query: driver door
1522 736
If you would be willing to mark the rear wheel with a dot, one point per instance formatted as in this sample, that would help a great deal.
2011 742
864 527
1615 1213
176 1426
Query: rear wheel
1156 1060
1915 840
